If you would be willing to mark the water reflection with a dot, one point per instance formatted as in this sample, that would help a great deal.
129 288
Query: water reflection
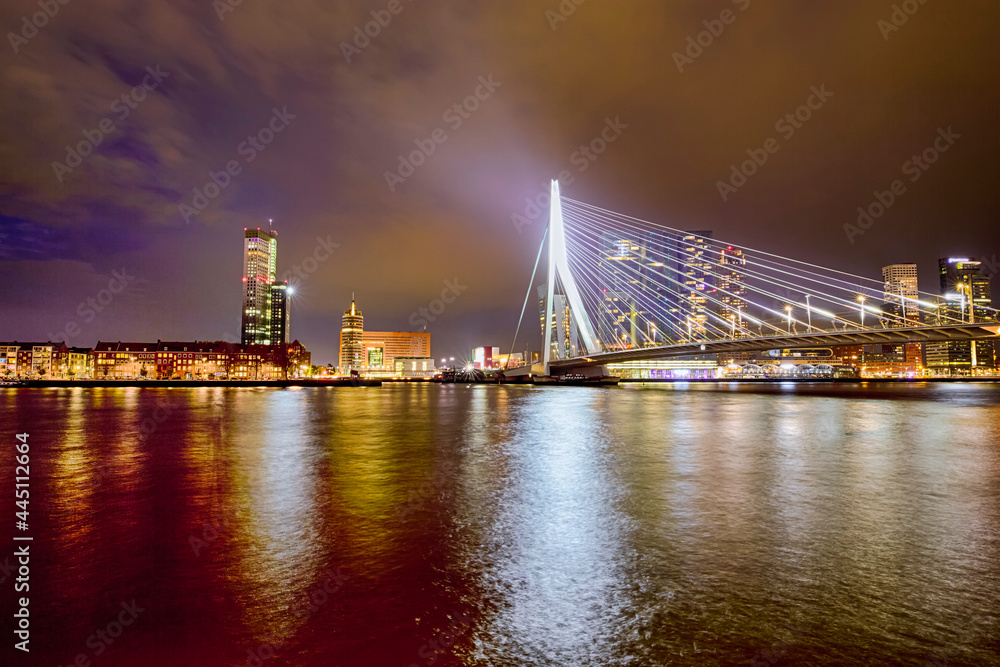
514 525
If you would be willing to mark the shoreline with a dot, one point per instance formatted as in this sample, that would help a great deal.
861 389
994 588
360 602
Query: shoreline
49 384
349 382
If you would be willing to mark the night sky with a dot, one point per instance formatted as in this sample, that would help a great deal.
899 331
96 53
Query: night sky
554 83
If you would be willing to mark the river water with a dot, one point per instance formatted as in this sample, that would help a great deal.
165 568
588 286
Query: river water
483 525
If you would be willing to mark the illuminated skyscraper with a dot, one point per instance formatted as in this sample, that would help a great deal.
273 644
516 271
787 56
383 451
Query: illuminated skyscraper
691 266
900 294
732 285
352 341
260 252
279 312
901 308
967 296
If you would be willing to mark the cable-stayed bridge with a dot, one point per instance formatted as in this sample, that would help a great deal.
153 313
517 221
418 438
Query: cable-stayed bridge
622 289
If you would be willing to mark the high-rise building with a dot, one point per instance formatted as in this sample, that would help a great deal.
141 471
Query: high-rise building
900 294
279 323
731 285
352 344
622 321
693 268
260 252
966 297
900 307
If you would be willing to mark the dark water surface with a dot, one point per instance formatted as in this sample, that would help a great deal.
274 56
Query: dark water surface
452 525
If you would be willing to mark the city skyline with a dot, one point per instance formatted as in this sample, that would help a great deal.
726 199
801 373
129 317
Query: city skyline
635 129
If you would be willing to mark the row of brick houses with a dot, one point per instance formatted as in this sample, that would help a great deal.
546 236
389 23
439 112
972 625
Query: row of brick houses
162 360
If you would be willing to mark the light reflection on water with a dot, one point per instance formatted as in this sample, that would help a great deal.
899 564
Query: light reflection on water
640 525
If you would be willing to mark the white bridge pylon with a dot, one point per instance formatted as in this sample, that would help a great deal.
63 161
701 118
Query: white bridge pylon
559 265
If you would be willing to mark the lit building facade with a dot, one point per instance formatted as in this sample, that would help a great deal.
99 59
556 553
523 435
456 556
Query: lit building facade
352 346
33 360
260 253
387 346
690 260
966 297
279 313
486 358
414 367
900 293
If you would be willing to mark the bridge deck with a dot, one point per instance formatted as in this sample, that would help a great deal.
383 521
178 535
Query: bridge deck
922 334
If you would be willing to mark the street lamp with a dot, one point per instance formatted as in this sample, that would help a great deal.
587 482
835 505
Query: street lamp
789 309
809 313
861 298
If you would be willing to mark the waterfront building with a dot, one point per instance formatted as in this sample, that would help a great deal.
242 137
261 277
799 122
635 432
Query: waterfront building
80 363
125 361
260 252
352 348
33 360
387 346
486 358
414 367
8 359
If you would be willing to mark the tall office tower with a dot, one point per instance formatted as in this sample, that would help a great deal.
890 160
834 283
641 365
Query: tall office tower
352 343
964 282
619 270
691 254
260 252
900 295
279 313
731 286
901 309
966 298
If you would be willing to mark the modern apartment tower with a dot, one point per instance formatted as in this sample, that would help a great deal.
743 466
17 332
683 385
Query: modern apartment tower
732 286
693 268
260 251
352 340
